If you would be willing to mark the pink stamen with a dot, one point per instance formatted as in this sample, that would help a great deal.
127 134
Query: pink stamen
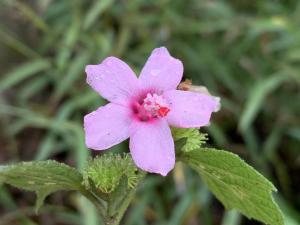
156 105
152 106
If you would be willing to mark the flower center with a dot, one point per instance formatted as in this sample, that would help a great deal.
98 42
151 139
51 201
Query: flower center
152 106
156 105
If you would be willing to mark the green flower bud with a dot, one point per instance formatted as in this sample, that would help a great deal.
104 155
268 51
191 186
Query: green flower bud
105 172
194 138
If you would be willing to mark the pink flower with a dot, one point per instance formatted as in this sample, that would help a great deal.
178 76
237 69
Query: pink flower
143 108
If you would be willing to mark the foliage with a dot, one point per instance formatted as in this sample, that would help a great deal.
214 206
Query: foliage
246 52
46 177
113 176
236 184
43 177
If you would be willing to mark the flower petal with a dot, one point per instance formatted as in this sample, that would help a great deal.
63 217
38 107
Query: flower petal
190 109
107 126
113 80
152 146
161 71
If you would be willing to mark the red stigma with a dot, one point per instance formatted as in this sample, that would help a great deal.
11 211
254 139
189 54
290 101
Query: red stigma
163 111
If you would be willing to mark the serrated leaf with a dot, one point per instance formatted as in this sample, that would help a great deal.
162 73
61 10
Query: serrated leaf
236 184
42 177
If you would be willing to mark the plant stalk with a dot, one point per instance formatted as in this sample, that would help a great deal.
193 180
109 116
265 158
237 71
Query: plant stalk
123 205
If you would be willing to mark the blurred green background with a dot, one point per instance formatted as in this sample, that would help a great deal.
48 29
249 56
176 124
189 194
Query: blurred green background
246 52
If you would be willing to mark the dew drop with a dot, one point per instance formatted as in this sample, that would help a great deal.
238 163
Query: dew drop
154 72
113 97
123 66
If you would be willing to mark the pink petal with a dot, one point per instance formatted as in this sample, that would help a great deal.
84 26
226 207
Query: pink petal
190 109
107 126
152 146
161 71
113 80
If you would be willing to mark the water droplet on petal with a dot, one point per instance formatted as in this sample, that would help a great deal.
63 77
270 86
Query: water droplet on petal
113 97
123 66
155 72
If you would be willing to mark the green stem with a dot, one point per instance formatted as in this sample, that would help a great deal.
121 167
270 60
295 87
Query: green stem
113 206
96 201
122 207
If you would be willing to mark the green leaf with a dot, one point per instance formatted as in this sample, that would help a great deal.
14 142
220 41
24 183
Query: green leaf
76 68
32 16
17 44
95 12
236 184
257 97
43 177
22 72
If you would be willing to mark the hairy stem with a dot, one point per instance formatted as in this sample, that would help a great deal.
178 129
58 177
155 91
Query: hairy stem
96 201
123 207
115 212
